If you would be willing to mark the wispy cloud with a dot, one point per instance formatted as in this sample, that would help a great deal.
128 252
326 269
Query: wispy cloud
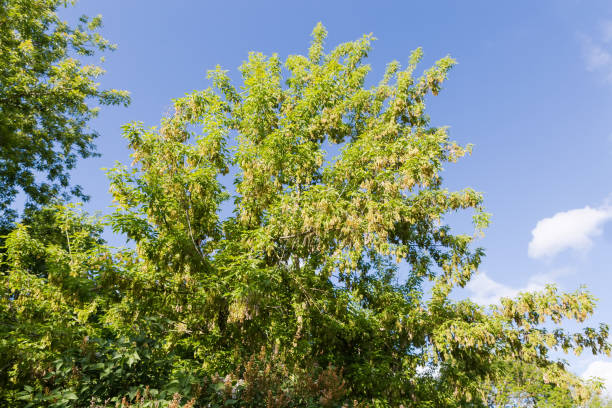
596 57
597 52
573 229
485 291
603 370
606 30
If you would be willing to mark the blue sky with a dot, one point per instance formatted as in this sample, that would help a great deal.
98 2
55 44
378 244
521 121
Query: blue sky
532 91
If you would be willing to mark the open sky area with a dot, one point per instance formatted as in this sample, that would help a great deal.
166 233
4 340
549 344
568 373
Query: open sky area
532 91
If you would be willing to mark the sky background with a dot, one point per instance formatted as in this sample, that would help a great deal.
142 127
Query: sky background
532 92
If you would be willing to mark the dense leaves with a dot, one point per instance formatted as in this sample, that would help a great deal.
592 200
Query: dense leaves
322 276
45 95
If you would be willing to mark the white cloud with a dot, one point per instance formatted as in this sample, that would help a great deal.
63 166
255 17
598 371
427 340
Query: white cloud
596 57
573 229
486 291
597 52
603 370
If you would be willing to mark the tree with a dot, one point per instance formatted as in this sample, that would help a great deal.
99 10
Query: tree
296 297
309 259
526 385
45 95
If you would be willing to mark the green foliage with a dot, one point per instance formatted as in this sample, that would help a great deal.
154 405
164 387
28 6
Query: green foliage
45 95
53 295
307 266
523 385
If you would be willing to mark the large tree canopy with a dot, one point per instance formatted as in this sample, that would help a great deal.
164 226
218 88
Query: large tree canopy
330 282
45 95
